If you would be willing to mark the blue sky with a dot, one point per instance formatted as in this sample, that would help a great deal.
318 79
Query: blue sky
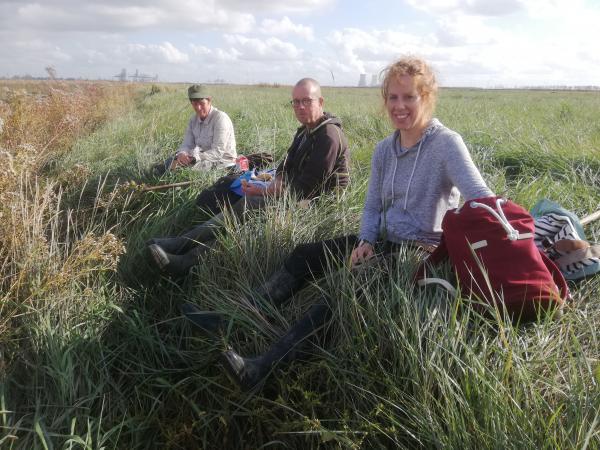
484 43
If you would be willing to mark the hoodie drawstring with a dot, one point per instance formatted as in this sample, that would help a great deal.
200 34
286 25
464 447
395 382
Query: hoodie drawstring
411 173
394 176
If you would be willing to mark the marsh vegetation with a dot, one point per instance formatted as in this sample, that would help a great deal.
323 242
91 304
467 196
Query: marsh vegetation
94 353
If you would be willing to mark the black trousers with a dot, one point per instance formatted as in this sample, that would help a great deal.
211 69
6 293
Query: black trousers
313 260
213 199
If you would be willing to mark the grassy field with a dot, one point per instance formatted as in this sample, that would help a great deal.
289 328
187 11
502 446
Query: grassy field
94 353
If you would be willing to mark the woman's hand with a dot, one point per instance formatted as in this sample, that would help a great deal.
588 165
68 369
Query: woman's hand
361 254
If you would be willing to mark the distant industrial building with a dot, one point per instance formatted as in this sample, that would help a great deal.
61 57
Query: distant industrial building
137 77
362 81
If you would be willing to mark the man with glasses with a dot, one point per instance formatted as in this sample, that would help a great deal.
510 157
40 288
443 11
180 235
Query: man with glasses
209 141
315 163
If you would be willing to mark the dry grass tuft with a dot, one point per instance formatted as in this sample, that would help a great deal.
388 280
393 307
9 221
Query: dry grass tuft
42 251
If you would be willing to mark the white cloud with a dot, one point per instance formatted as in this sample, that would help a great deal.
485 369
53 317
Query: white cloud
280 6
172 54
520 42
58 54
470 42
96 57
107 15
466 51
475 7
459 29
270 49
204 54
104 15
286 26
148 54
44 50
368 51
557 9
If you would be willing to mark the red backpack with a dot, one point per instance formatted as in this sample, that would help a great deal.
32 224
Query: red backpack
490 244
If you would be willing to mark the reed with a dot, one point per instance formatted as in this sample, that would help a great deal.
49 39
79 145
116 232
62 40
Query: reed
94 353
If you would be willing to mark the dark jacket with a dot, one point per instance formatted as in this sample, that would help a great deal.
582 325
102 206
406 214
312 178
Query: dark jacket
317 161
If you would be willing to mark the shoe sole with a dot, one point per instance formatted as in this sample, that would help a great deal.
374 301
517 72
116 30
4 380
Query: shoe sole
233 376
159 256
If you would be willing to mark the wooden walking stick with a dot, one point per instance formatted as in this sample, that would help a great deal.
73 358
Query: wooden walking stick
166 186
590 218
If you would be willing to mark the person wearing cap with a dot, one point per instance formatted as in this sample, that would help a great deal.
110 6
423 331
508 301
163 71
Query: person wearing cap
316 163
209 140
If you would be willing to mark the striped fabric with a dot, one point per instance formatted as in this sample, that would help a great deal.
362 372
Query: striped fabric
553 227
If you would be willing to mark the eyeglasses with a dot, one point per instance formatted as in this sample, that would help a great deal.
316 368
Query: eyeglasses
200 100
304 102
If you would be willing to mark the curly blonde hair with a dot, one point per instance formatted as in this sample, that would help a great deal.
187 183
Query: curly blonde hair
423 74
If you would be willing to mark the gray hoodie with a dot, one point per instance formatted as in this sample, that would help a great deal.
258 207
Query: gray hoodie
411 189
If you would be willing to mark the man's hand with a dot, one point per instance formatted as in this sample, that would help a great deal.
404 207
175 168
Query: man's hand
183 159
361 254
253 190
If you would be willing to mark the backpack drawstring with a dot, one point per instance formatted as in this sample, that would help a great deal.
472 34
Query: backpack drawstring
512 234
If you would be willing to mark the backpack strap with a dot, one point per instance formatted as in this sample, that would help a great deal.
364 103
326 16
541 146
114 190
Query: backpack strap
557 276
444 283
435 258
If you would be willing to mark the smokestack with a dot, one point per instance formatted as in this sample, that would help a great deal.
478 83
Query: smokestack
374 81
363 80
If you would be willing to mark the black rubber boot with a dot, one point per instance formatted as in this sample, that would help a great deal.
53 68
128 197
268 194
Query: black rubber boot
248 373
278 288
206 231
176 265
210 322
203 233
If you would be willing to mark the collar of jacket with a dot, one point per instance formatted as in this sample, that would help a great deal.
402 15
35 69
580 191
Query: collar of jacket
324 120
211 113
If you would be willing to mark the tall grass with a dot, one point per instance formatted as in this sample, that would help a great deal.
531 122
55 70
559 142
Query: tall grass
94 354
